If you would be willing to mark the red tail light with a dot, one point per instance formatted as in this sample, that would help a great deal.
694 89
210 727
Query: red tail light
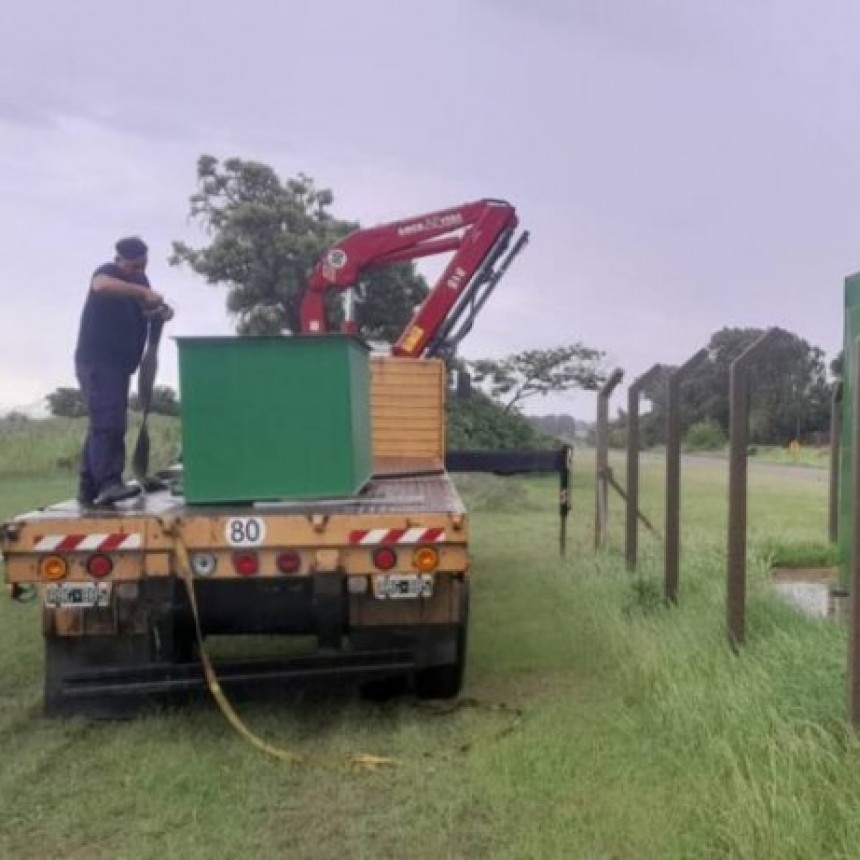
246 563
289 561
384 558
99 566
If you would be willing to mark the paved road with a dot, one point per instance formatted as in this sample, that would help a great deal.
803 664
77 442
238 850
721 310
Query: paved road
817 474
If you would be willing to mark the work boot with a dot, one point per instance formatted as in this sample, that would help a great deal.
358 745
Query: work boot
115 493
153 485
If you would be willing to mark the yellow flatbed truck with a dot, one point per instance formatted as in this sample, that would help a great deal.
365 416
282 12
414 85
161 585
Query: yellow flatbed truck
381 578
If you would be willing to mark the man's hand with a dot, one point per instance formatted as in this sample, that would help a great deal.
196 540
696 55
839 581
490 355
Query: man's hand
152 299
162 312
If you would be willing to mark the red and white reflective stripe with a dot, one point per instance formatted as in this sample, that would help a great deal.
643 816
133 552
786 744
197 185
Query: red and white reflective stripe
415 535
88 543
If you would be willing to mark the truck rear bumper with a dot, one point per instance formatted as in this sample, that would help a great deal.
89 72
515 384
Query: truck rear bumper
85 675
155 679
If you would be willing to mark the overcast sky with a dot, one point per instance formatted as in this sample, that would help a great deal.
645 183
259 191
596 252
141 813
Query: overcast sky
681 165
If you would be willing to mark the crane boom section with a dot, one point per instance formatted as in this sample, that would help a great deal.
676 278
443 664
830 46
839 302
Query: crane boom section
474 232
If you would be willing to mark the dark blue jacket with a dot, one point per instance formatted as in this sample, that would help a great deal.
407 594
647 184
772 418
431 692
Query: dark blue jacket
113 328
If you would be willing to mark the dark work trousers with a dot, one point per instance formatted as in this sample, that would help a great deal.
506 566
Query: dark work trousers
105 391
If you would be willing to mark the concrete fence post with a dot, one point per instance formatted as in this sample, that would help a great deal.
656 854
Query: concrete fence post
671 560
631 508
736 571
601 478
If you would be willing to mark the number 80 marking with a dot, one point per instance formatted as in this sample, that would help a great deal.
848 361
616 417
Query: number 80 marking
245 531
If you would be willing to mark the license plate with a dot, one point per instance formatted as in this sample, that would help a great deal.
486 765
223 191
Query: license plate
406 586
83 595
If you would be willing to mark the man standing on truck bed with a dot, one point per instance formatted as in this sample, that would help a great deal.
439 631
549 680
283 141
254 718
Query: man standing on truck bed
112 336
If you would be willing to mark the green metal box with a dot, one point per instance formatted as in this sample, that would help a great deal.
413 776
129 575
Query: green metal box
267 418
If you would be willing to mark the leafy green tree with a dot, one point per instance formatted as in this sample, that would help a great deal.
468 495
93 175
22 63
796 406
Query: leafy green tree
705 436
789 389
67 403
540 372
266 236
558 426
652 423
837 366
386 300
790 394
480 423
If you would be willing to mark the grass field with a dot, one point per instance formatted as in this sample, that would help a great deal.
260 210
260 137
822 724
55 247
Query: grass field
596 723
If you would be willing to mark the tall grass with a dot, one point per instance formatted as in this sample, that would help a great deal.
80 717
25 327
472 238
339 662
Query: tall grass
54 446
675 746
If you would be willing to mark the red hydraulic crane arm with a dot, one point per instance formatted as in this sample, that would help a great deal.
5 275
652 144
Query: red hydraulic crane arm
481 227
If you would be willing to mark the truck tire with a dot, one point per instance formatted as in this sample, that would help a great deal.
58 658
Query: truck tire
446 681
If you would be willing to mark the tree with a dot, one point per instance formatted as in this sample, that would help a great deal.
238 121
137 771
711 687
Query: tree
837 366
266 236
790 394
163 401
67 403
479 423
540 371
387 301
559 426
652 425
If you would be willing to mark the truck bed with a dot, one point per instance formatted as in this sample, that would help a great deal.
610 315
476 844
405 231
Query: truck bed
384 494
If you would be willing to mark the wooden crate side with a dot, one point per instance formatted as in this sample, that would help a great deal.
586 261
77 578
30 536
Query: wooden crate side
407 409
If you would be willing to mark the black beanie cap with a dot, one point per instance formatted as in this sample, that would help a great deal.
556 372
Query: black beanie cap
131 248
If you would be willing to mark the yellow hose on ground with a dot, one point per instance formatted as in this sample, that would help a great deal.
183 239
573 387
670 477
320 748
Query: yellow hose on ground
360 760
